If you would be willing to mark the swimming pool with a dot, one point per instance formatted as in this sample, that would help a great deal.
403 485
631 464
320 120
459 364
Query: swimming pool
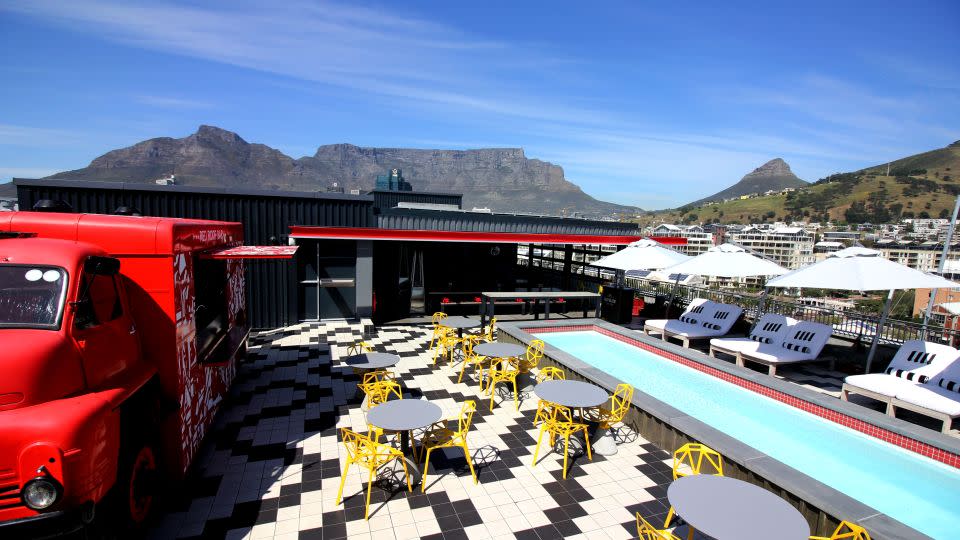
915 490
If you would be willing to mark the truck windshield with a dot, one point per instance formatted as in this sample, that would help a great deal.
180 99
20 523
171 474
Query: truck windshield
31 296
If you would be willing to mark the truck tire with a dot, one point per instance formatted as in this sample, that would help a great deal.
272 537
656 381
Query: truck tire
137 483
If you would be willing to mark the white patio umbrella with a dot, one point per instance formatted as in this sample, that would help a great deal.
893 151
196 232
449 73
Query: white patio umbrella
725 260
643 254
728 260
860 269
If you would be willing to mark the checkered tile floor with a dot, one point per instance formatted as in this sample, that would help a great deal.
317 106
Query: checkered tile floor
271 466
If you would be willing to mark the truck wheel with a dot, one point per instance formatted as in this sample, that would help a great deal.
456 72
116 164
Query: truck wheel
137 484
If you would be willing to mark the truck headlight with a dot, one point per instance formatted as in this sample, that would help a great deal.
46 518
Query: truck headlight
41 493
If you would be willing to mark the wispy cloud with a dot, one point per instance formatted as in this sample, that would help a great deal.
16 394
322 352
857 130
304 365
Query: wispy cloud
14 135
516 91
169 102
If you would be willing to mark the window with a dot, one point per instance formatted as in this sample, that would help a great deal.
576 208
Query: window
99 301
31 296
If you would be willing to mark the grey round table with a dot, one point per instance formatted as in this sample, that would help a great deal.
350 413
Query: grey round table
580 395
499 350
729 509
573 394
403 416
373 360
460 323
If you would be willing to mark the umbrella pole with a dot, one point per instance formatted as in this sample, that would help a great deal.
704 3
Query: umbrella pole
876 336
763 301
943 263
673 292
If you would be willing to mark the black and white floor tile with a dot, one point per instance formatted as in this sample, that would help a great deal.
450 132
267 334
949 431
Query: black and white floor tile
271 466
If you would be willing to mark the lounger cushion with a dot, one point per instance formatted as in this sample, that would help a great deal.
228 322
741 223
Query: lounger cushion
881 383
678 327
775 354
931 397
656 324
735 344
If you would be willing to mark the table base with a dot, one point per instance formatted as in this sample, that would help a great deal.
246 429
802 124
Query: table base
602 442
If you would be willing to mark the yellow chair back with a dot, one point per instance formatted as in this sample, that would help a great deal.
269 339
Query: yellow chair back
359 347
534 354
466 417
359 446
620 402
700 458
850 531
560 415
437 317
646 531
492 329
551 374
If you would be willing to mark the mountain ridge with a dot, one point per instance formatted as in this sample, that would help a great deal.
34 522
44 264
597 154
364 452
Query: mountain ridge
773 175
503 179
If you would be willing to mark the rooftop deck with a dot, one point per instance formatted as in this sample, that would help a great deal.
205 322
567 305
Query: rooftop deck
271 466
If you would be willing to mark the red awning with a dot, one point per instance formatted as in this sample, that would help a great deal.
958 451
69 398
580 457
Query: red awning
371 233
252 252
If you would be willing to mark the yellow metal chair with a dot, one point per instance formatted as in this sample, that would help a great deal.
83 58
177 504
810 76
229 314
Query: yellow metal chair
846 531
545 407
442 437
619 406
359 347
378 386
694 458
491 333
560 424
646 531
530 360
508 372
478 362
370 455
446 343
438 329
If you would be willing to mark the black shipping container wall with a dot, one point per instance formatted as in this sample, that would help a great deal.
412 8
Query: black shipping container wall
266 218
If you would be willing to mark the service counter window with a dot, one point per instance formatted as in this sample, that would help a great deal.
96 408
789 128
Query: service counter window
210 311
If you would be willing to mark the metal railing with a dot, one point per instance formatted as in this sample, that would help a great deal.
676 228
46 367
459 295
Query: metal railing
848 324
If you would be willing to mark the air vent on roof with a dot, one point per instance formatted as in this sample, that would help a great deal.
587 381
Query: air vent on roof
127 211
47 205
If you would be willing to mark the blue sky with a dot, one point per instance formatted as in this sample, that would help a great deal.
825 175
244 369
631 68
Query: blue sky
645 103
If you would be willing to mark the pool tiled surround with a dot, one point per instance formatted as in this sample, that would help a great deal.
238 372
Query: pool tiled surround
857 424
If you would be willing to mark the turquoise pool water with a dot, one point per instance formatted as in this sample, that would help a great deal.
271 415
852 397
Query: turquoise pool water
917 491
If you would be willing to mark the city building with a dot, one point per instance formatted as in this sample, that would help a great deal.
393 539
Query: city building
698 239
790 247
847 237
393 182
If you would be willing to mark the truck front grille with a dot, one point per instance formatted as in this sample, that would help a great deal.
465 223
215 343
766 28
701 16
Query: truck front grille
9 490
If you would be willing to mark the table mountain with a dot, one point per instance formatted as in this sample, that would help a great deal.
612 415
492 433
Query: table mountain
773 175
503 179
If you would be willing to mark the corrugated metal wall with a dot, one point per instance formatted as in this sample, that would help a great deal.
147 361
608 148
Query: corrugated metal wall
432 220
266 217
390 199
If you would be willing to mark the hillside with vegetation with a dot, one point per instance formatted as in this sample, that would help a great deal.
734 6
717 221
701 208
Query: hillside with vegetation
920 186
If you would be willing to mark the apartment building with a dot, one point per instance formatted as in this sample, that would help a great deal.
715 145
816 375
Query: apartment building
699 240
923 256
791 247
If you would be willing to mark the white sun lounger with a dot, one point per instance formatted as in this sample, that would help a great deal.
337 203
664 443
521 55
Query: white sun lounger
714 324
696 310
803 343
771 328
915 363
938 398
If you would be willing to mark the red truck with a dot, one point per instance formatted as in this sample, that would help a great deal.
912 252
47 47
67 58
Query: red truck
119 337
